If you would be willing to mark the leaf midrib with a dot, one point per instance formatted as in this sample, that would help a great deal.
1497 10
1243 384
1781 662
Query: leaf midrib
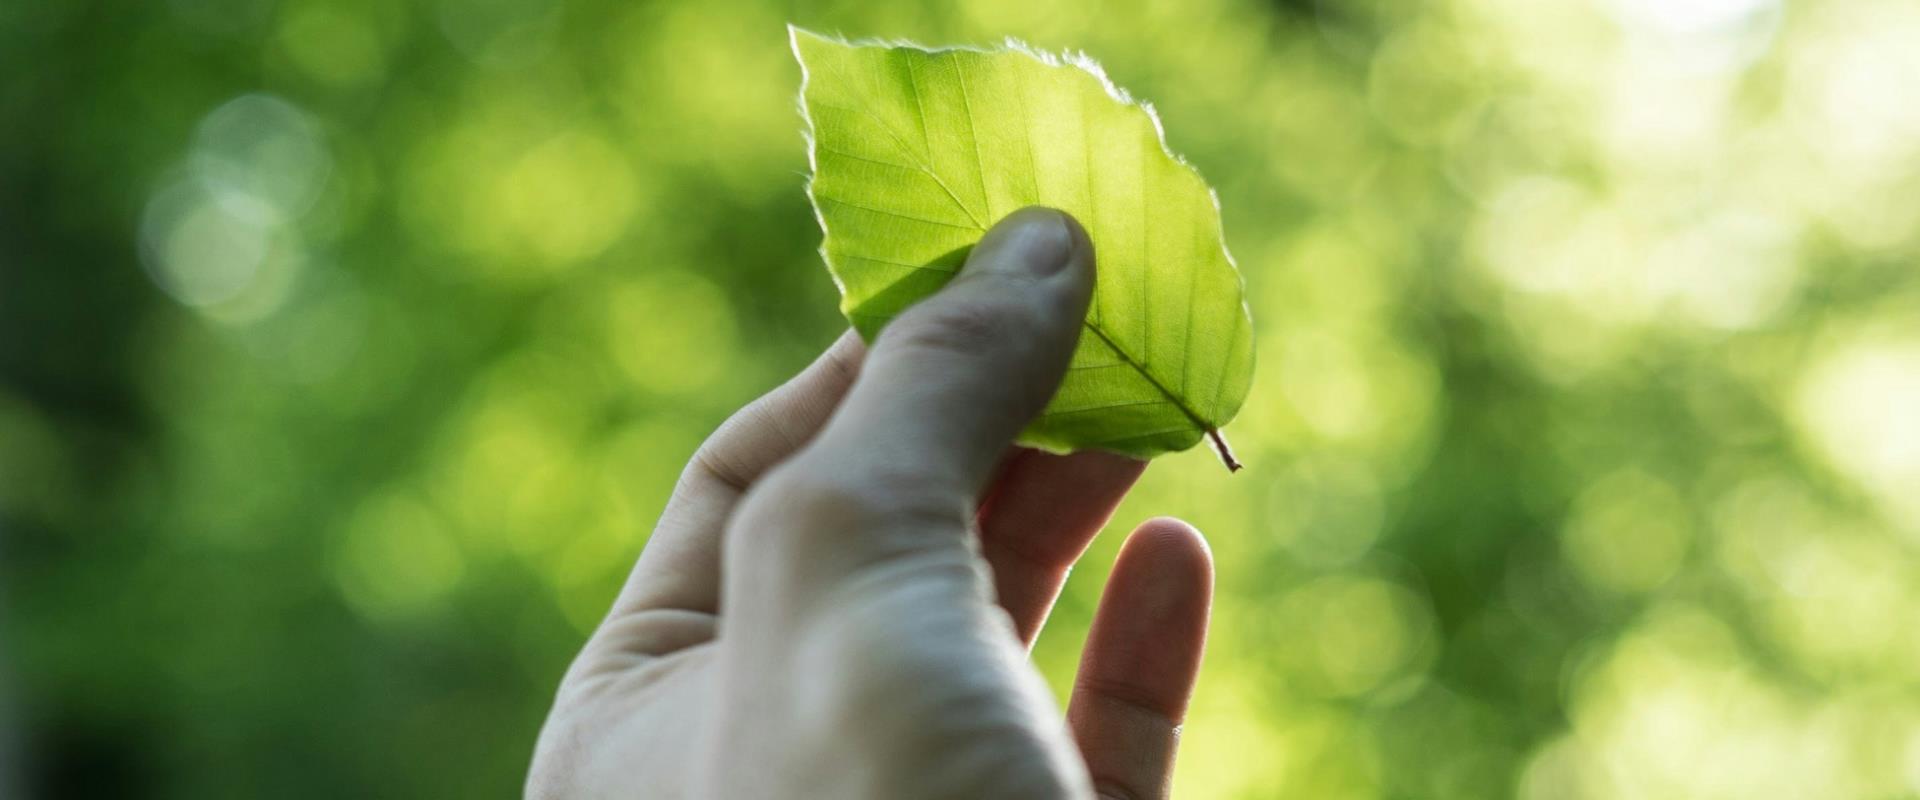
1140 366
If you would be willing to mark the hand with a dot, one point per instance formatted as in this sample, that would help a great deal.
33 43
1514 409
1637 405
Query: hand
838 600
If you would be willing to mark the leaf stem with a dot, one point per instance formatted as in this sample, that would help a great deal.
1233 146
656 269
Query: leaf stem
1220 447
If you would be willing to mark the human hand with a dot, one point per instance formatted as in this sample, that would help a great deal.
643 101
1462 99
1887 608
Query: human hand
838 600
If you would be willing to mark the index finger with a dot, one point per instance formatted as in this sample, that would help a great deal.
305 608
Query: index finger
679 569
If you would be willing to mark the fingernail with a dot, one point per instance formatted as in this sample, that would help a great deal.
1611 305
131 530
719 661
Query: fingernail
1038 242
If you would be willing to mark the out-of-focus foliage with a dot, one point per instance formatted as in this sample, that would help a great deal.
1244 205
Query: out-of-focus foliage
1167 350
350 347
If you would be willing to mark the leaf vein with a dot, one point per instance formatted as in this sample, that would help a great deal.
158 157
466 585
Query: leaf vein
1106 407
920 111
1139 436
908 265
1186 345
904 149
1233 340
1146 263
1086 172
973 132
894 214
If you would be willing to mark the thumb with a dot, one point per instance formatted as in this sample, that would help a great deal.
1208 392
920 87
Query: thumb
943 391
854 607
953 379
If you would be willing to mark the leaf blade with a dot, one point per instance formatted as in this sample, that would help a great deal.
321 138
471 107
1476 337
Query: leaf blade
918 150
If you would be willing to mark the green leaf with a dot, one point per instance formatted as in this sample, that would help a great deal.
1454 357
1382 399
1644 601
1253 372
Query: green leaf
916 152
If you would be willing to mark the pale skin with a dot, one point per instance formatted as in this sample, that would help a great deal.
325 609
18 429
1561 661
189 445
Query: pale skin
839 599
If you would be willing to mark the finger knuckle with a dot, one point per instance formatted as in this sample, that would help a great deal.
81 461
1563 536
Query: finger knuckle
824 502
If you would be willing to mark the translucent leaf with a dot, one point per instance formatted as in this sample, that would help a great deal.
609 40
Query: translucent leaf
916 152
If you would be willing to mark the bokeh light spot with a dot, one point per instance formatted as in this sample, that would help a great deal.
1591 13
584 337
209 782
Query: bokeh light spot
501 33
662 327
396 558
1859 405
1628 532
333 45
1357 633
204 244
266 148
569 198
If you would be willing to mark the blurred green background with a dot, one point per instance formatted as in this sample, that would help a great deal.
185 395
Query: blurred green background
348 350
